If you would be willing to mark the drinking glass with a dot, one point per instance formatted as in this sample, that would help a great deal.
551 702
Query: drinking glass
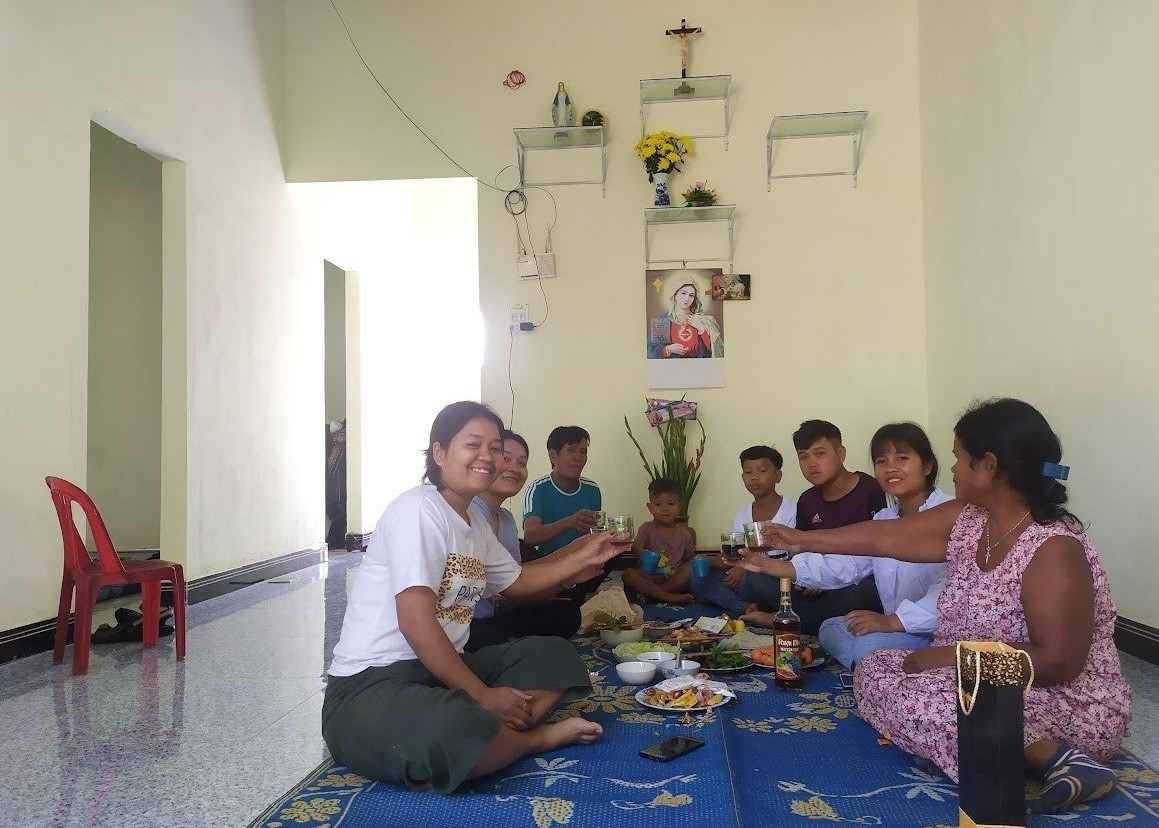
759 535
729 543
622 527
601 522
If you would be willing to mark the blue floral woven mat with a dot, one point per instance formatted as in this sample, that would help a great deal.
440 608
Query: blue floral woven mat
771 758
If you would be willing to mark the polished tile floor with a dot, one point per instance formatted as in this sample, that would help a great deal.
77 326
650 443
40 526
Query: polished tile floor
145 741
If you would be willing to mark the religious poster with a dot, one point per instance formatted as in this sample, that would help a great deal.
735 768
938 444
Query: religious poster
685 329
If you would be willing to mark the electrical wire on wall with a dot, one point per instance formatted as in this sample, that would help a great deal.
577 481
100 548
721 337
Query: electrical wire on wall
514 201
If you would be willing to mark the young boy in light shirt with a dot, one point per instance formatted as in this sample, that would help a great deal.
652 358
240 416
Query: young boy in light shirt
760 473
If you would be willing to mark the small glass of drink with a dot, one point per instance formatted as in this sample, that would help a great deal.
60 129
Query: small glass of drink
759 535
622 527
730 545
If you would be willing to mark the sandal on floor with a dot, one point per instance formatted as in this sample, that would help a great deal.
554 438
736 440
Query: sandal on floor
1070 778
105 634
127 616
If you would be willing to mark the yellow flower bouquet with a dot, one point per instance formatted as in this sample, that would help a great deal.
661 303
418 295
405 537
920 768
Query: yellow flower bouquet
663 152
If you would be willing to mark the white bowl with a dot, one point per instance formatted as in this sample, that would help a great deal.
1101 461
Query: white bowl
614 637
657 657
686 668
635 672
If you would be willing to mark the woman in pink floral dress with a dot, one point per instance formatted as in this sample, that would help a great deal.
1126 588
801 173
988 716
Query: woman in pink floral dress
1022 571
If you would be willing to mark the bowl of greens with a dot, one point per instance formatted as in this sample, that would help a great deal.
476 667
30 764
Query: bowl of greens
621 629
720 659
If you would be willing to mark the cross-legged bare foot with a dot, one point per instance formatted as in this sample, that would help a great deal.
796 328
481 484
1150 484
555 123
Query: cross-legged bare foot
574 731
682 598
758 618
425 788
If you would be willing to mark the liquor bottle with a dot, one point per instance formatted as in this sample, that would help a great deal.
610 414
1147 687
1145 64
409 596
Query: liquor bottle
787 637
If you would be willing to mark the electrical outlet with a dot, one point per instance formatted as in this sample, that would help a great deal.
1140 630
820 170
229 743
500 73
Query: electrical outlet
516 313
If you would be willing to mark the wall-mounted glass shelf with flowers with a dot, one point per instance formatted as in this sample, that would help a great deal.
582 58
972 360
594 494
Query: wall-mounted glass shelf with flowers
548 139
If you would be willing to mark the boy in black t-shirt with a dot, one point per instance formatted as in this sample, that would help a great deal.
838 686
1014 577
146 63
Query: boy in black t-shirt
838 497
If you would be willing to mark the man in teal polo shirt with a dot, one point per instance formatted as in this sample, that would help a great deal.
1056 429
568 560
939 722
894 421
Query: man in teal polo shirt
561 506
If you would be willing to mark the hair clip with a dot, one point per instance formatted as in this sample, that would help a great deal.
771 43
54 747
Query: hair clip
1056 471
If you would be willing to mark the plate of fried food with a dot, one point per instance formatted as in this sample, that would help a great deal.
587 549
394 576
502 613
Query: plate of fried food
689 639
686 694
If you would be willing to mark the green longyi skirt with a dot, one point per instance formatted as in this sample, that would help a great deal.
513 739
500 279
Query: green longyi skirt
398 723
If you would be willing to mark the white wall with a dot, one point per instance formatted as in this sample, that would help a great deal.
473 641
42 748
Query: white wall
124 318
837 326
187 80
1041 192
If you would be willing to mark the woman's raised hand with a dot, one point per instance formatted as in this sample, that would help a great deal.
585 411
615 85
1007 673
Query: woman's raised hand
752 561
592 552
791 540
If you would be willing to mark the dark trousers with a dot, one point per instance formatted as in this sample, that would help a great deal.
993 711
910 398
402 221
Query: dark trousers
813 609
559 617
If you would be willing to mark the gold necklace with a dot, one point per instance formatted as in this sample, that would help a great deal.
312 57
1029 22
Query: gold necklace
991 546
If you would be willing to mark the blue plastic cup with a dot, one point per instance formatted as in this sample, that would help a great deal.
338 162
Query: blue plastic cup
650 561
700 567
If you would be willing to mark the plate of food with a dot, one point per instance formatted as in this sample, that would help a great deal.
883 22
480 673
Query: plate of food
654 630
689 639
686 694
724 660
811 656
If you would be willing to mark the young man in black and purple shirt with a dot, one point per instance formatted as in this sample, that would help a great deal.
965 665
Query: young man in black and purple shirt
838 497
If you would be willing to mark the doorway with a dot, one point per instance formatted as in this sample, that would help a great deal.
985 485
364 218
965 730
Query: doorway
337 447
125 342
124 370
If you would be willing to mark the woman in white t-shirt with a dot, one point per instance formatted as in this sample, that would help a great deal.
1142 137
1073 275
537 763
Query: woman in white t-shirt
403 703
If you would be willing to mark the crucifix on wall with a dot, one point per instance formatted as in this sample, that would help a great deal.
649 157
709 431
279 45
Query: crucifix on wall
683 32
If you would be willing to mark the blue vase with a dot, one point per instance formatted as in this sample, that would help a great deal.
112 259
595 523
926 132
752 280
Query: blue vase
662 197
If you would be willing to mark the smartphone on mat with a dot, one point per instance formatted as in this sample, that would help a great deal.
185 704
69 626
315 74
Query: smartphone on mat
846 680
671 748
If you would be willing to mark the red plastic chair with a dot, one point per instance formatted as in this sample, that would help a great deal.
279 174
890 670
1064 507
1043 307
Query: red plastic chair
88 576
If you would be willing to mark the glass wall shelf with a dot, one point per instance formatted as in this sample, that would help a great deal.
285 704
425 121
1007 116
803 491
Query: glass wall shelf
682 90
820 125
533 139
669 216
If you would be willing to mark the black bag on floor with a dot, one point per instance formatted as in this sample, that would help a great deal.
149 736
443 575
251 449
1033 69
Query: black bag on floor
991 779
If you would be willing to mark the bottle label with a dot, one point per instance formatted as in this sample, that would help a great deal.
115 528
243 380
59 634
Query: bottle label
788 648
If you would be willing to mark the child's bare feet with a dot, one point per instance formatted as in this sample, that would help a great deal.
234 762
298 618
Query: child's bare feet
681 598
574 731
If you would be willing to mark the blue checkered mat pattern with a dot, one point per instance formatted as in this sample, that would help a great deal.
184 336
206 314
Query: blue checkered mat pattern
771 758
